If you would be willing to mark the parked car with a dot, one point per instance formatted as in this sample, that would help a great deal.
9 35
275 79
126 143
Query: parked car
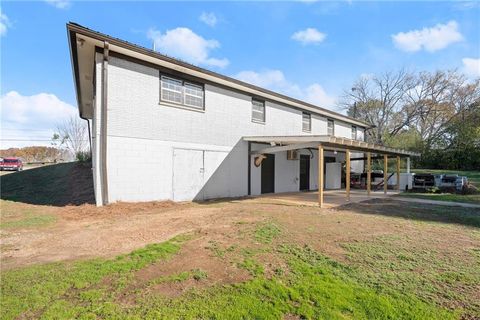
11 164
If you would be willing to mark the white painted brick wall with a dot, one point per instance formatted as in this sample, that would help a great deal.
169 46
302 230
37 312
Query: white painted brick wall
142 134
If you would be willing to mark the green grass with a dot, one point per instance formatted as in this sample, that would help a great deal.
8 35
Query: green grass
467 198
266 233
312 287
395 263
28 219
59 185
70 289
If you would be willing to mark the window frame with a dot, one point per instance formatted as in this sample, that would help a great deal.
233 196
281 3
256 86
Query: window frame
309 121
333 127
354 130
264 111
183 82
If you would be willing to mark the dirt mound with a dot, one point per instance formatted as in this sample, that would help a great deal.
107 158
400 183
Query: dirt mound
57 185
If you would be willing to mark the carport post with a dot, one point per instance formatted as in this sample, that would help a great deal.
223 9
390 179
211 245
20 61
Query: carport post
385 173
369 173
398 173
347 176
320 176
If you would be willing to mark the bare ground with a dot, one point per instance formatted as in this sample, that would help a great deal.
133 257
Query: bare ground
222 229
87 231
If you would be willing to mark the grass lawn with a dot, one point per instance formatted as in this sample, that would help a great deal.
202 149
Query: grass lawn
311 286
473 177
378 260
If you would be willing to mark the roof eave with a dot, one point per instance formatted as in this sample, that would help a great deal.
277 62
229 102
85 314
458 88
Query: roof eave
76 28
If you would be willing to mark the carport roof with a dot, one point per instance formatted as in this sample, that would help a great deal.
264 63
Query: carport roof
284 143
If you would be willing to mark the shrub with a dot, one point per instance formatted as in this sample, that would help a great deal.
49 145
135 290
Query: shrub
83 156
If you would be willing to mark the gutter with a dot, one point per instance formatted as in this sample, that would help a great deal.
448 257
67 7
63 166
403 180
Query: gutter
103 128
75 72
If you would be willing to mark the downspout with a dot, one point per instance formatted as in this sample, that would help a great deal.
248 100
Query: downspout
103 149
89 135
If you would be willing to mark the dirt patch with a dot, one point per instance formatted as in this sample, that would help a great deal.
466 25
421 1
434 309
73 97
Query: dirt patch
87 231
179 275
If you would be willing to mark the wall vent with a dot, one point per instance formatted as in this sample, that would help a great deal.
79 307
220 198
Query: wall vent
292 155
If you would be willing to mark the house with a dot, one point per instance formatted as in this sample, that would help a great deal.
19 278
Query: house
165 129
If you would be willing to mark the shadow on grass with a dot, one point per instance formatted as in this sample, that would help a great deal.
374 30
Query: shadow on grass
416 211
57 185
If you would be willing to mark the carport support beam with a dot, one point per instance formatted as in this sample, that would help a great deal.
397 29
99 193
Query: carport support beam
320 176
385 173
398 173
347 176
369 173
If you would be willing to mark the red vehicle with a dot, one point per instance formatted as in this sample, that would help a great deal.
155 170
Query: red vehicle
11 164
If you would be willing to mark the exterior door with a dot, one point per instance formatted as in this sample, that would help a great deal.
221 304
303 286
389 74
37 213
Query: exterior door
268 174
304 172
188 172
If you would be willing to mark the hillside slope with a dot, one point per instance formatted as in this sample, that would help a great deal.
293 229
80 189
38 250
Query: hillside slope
58 185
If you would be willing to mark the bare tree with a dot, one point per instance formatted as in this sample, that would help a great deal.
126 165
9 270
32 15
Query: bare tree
442 97
380 100
424 102
72 135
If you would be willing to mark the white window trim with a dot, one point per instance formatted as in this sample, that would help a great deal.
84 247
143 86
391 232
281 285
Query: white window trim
309 122
333 127
182 105
264 112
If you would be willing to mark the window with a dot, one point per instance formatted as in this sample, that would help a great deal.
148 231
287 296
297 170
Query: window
354 133
258 111
306 122
330 128
181 92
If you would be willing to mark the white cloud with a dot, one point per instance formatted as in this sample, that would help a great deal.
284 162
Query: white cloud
471 67
185 44
430 39
4 23
31 118
315 94
209 18
309 36
275 80
60 4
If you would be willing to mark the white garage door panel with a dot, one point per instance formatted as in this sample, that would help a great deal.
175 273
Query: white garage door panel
187 174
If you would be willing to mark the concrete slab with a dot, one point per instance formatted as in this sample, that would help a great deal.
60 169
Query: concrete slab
332 198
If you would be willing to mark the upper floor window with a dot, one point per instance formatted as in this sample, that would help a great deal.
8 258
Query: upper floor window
354 133
182 92
258 111
306 122
330 128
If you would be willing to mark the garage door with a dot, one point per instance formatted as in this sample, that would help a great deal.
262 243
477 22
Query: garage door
188 171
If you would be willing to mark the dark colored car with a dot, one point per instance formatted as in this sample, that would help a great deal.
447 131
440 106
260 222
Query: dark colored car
11 164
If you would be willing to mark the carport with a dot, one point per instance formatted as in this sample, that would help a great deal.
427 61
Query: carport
336 144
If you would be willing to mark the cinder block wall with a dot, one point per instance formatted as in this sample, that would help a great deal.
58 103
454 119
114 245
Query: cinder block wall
143 133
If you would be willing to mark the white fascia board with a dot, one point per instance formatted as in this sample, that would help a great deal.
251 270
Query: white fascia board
223 82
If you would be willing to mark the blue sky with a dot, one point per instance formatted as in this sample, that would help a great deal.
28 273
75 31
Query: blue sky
307 49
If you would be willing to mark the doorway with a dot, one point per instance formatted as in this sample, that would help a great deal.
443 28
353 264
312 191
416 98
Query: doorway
268 174
304 172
